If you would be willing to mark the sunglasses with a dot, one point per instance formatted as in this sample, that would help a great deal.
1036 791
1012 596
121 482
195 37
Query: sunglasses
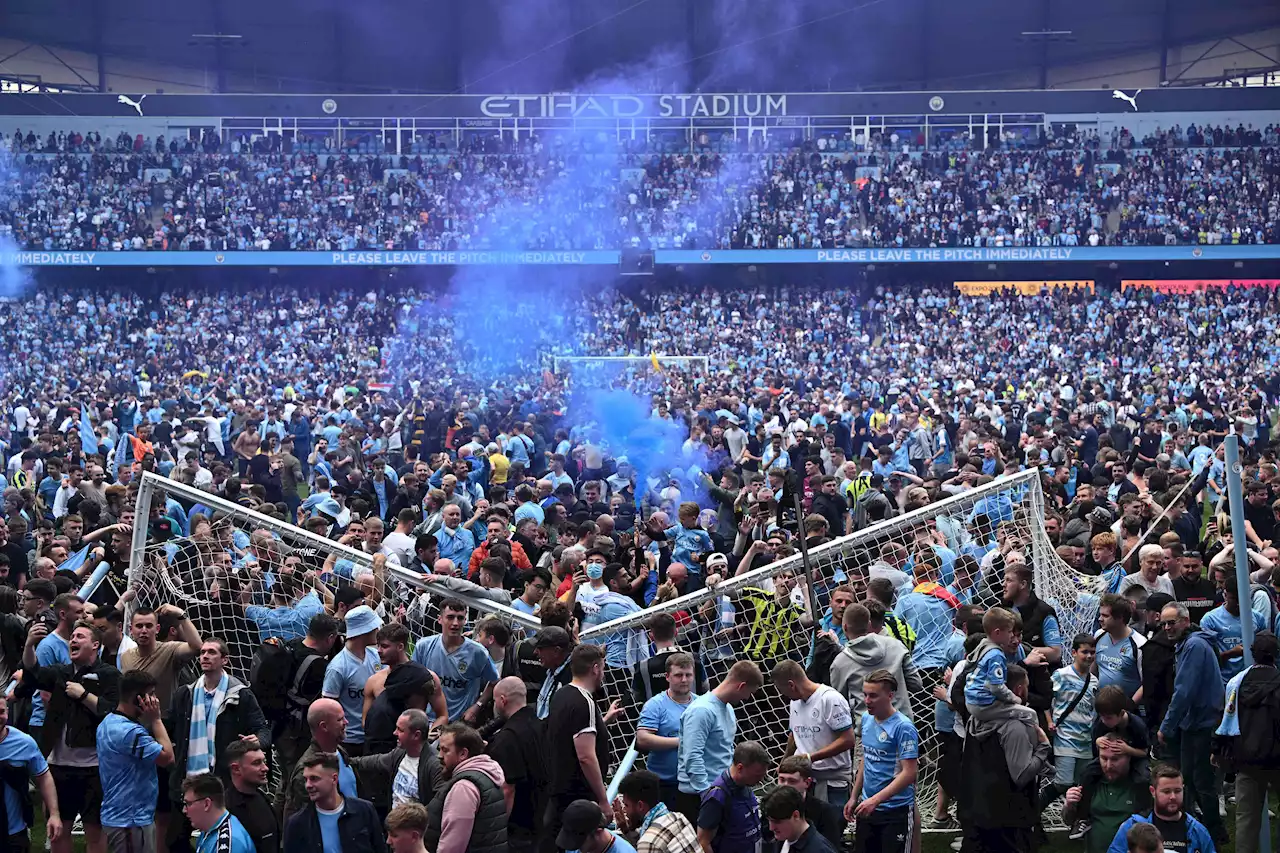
1168 623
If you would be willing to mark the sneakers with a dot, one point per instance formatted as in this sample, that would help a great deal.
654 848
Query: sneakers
1222 806
955 843
1079 830
944 822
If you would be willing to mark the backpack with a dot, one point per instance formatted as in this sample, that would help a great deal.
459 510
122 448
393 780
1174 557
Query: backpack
1258 699
276 677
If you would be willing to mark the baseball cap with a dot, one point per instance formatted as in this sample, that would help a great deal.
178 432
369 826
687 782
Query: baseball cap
717 561
582 818
1157 601
552 635
361 620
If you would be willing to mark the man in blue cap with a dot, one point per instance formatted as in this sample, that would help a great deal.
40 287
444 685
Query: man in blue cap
346 674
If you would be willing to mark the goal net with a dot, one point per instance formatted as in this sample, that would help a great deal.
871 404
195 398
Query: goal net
226 565
608 371
714 627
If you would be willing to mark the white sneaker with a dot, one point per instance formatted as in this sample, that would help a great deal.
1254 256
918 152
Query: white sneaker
1222 806
955 843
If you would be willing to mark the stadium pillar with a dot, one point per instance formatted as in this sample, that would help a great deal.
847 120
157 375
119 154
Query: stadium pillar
219 47
99 22
925 69
1235 494
1164 42
1046 15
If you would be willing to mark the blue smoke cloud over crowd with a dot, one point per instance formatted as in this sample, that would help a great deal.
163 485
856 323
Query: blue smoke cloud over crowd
654 447
13 278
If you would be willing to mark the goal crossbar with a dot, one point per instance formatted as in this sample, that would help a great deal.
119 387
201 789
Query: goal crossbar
558 360
1007 482
151 483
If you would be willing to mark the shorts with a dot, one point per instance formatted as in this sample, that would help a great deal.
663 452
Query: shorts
79 793
885 831
164 805
131 839
949 772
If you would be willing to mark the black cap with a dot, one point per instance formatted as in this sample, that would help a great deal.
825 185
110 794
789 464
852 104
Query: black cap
580 820
553 635
1157 601
877 480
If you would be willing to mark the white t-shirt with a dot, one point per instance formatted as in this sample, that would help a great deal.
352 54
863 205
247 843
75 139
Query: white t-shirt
404 788
897 577
401 544
1161 584
816 722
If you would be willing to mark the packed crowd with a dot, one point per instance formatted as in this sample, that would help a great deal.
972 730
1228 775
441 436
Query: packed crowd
821 413
1208 185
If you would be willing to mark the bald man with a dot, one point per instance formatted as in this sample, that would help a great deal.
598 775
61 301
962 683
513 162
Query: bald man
517 747
328 724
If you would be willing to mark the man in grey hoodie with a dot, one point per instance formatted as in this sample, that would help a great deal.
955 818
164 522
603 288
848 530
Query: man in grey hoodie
863 654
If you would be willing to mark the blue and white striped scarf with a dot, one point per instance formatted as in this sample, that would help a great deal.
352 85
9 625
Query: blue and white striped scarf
201 755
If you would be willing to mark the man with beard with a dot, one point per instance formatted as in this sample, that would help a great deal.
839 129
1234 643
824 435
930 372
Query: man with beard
1180 832
469 815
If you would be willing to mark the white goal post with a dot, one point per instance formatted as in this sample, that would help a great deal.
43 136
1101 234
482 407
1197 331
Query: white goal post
560 363
714 632
165 572
712 623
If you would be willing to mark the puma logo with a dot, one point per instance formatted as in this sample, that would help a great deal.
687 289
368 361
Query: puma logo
1132 99
137 105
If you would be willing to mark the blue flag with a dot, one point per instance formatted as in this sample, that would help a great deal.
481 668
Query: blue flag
121 458
88 438
76 560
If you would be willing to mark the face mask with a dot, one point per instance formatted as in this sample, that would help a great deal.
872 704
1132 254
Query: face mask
595 571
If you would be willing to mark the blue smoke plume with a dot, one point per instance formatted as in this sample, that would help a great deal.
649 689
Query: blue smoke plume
14 279
654 447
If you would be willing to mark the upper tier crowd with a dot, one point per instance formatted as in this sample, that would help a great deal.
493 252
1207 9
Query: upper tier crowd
374 420
1193 185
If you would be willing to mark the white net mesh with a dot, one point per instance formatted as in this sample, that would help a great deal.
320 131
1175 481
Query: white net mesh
225 568
580 372
216 573
717 627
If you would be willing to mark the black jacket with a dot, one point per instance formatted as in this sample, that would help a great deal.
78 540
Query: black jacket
833 508
100 679
377 772
239 715
1158 657
358 827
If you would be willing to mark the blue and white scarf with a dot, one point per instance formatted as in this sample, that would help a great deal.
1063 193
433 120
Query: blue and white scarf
201 755
654 813
548 689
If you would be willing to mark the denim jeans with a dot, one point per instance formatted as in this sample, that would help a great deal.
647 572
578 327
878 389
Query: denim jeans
1190 749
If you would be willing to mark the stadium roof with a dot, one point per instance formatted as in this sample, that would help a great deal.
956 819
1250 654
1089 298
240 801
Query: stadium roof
637 45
